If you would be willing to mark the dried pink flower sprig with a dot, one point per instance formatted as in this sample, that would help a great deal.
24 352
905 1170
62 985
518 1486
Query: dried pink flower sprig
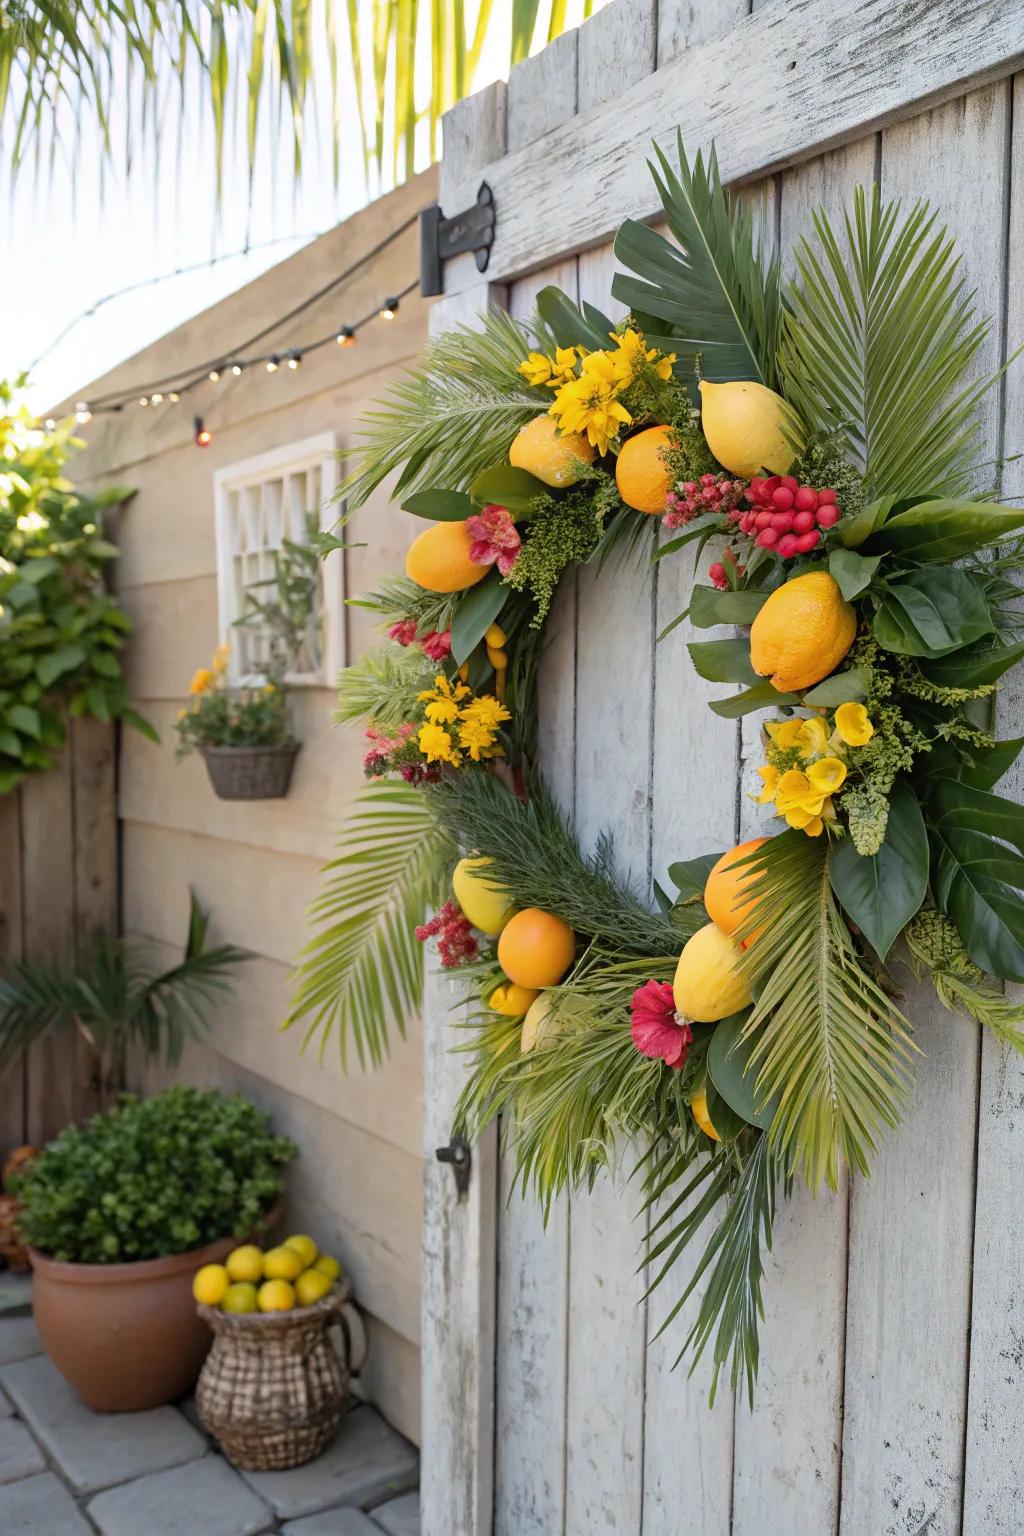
451 928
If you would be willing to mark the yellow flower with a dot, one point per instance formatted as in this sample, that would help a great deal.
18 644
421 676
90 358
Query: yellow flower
770 776
785 733
812 737
663 368
590 403
443 689
182 714
477 738
486 711
536 370
442 711
827 775
853 725
220 658
564 366
202 681
436 745
803 821
795 792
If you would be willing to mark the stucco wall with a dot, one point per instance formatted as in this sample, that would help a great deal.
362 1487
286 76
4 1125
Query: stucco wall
357 1184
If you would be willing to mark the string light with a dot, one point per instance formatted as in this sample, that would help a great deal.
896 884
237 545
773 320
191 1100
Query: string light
82 412
272 364
49 423
389 309
174 397
236 369
204 437
346 337
294 359
214 375
156 399
144 400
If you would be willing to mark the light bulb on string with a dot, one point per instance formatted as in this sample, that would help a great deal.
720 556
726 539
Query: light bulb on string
203 435
143 399
174 397
294 359
389 309
49 424
82 412
236 369
272 364
214 375
346 337
156 399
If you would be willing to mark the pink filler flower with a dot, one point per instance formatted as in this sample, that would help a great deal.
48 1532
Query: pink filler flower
658 1031
494 539
436 646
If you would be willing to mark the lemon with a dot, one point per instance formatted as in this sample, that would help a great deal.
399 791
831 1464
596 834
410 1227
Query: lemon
708 983
486 905
511 999
535 1025
305 1247
210 1284
275 1296
311 1286
541 449
743 426
641 474
802 632
699 1110
282 1264
438 559
240 1297
245 1263
328 1266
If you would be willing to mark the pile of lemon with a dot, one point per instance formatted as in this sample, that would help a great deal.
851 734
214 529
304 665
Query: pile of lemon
295 1274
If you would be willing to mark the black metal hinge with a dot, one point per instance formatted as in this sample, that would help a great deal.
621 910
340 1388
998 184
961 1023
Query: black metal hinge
457 1153
442 238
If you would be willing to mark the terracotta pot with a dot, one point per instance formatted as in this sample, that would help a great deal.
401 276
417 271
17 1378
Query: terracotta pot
126 1336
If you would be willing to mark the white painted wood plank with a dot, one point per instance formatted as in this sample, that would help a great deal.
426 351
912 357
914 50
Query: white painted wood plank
616 48
911 1226
847 69
993 1487
686 24
788 1448
604 1466
530 1388
542 93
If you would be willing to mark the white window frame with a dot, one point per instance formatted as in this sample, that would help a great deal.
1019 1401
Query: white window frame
320 452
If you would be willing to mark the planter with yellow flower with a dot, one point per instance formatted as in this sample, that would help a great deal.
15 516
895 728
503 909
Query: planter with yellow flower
242 734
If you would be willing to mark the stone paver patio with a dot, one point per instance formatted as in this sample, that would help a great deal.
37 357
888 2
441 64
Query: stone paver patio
66 1471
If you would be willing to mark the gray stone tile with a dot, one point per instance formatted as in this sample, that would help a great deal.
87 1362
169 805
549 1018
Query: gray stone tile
15 1292
367 1463
332 1522
95 1450
399 1517
19 1454
206 1497
18 1339
41 1506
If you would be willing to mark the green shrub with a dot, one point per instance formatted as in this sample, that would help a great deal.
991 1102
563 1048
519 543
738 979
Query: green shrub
154 1177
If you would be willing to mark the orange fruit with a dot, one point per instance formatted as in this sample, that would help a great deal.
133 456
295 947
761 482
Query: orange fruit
545 452
536 948
438 559
726 885
802 632
641 474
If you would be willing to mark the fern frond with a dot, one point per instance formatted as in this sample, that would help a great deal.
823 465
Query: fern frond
452 415
878 339
363 971
382 687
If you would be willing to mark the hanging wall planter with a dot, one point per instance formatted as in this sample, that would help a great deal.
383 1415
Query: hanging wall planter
250 773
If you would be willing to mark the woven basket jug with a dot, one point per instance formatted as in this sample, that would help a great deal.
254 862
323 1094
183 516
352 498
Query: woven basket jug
274 1388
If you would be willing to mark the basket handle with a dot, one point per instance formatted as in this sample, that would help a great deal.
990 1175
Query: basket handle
353 1330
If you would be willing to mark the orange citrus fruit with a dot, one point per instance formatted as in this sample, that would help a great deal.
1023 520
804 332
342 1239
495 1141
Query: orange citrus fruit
438 559
545 452
641 474
726 886
536 948
802 632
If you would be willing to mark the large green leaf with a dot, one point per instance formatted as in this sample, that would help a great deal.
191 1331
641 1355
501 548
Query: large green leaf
709 606
722 661
690 876
881 893
729 1066
571 326
848 687
932 612
509 487
934 532
762 696
443 506
852 572
475 614
977 879
975 666
714 294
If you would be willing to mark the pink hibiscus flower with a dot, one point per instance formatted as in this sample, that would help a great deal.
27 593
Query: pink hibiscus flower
494 538
658 1031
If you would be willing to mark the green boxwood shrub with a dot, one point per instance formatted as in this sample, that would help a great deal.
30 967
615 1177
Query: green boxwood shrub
154 1177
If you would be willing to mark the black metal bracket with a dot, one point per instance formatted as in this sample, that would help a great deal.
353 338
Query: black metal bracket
442 238
457 1153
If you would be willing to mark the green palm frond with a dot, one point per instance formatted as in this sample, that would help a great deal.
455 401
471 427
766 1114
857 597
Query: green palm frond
713 296
363 971
829 1041
878 339
383 687
452 415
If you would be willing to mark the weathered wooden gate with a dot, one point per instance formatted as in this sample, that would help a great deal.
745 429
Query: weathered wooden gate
890 1397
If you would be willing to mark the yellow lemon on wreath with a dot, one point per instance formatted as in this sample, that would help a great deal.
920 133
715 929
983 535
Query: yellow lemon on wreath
724 893
708 982
543 451
245 1263
536 948
512 1000
438 559
328 1266
699 1110
535 1025
641 474
312 1286
282 1264
486 905
275 1296
304 1246
802 632
742 423
240 1297
210 1284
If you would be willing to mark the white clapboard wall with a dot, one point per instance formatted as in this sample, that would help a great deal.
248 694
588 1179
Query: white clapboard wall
891 1395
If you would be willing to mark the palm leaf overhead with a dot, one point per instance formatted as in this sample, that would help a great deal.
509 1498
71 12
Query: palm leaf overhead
878 339
713 296
364 968
828 1039
451 416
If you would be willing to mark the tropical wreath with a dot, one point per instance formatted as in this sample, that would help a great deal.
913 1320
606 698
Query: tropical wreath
824 433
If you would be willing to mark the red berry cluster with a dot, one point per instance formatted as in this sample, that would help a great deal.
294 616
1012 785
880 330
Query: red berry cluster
720 575
786 516
455 942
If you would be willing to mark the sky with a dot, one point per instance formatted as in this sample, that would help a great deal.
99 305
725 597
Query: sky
85 230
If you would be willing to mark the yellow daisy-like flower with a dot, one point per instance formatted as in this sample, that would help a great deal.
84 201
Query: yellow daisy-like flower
564 366
220 658
442 711
436 745
536 370
770 776
853 726
812 737
202 681
785 733
590 403
827 775
486 711
476 738
443 689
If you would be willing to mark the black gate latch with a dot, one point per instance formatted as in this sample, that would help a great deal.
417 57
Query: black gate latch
457 1153
441 238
